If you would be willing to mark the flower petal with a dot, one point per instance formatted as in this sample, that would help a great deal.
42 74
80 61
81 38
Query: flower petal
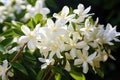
92 56
50 23
78 61
25 29
87 10
42 60
85 67
23 39
31 45
73 53
65 11
56 16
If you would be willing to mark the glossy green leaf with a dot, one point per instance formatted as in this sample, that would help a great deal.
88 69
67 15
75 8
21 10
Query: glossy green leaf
52 4
7 33
10 24
40 74
6 41
77 75
58 76
18 31
2 49
57 70
19 67
38 18
32 2
100 72
31 24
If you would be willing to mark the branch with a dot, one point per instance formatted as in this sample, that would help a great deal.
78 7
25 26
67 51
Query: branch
48 71
18 54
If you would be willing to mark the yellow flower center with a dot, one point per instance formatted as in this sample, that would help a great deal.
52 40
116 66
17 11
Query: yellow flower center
31 36
2 70
73 45
84 58
54 29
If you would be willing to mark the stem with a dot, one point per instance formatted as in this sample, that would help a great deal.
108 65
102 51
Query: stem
51 75
16 56
48 71
19 53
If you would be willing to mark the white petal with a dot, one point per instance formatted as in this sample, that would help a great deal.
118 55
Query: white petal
37 28
45 11
76 11
85 53
5 63
59 55
73 53
4 77
50 23
70 17
25 30
81 44
92 56
10 74
43 66
65 11
23 39
51 55
67 66
87 23
85 67
42 60
78 61
31 45
87 10
56 16
86 48
81 7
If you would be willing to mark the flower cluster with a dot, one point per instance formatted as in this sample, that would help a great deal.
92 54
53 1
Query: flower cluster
9 7
71 36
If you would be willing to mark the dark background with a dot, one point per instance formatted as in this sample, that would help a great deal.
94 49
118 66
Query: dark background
108 11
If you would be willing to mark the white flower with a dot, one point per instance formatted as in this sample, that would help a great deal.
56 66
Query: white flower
4 70
109 34
19 6
74 44
46 62
64 17
30 36
81 12
84 59
38 8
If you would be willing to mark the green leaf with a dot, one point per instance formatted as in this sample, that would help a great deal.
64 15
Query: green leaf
31 23
6 41
10 24
56 69
58 76
7 33
2 49
52 4
32 2
40 74
18 31
100 72
77 75
38 18
19 67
